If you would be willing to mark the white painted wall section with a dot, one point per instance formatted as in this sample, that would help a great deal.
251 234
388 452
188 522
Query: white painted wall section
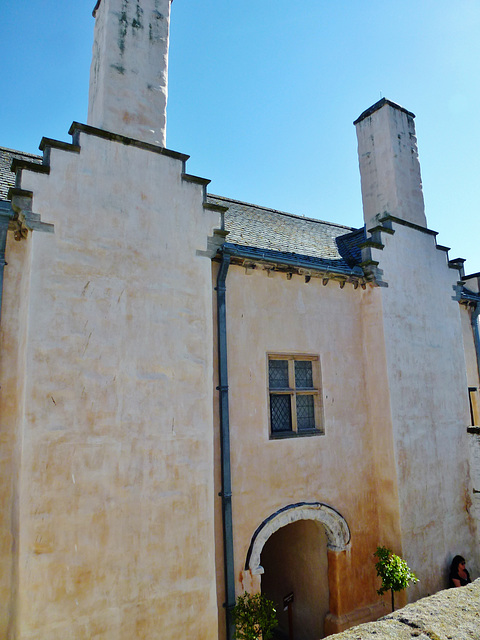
116 499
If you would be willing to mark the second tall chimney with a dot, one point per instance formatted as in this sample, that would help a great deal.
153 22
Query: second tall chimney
389 167
129 72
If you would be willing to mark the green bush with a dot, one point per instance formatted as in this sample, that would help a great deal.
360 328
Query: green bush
394 572
254 615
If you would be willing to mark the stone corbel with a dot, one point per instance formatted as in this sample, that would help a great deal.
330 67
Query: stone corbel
372 273
24 219
214 243
269 268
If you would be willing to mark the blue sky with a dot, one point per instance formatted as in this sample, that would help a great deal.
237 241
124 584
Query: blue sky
262 96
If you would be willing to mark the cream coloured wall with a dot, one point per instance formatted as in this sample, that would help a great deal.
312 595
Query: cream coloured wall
13 335
425 355
116 491
272 314
429 405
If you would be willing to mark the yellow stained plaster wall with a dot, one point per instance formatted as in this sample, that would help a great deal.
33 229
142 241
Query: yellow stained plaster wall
116 493
13 336
275 315
379 419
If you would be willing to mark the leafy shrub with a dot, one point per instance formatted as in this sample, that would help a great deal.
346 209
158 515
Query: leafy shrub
254 615
394 572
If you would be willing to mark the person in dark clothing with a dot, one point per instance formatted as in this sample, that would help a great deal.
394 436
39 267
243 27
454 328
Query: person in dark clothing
459 575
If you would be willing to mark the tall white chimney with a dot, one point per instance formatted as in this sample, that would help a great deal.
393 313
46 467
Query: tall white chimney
129 72
389 167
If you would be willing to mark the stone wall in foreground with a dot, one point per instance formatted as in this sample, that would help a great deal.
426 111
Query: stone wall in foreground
453 614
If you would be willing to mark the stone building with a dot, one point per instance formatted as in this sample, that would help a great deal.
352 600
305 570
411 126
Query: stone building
201 396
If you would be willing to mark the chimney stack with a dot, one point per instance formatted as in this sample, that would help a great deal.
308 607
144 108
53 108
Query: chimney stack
389 167
129 72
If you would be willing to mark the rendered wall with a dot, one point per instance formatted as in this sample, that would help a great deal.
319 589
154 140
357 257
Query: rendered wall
273 314
423 340
429 405
379 420
13 333
116 490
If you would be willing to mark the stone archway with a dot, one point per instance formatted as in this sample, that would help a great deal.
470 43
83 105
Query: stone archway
337 537
336 528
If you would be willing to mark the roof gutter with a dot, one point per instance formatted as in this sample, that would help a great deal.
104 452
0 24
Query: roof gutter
292 261
226 492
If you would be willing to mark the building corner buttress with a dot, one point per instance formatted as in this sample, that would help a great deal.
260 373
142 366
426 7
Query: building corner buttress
129 70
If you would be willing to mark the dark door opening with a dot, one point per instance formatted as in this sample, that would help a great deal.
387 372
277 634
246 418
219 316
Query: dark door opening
295 561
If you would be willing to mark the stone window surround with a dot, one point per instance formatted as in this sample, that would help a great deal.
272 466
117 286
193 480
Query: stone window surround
474 406
315 391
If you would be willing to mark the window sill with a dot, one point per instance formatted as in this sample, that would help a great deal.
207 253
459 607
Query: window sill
283 435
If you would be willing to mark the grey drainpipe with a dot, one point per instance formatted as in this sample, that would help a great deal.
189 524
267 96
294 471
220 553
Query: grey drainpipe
6 215
476 335
226 492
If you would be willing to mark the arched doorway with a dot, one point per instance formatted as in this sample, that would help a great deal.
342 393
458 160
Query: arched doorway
295 561
290 551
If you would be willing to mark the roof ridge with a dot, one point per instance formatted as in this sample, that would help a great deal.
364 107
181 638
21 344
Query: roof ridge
283 213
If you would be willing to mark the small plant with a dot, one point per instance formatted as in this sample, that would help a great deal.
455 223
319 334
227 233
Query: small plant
394 572
254 617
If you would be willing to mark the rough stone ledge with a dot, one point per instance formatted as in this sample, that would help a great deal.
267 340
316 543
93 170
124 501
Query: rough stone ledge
405 223
78 128
453 614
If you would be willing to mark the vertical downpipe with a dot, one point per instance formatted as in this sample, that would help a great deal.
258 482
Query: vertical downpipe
226 493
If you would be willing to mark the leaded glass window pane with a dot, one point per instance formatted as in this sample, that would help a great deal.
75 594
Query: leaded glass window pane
280 413
278 374
303 374
305 413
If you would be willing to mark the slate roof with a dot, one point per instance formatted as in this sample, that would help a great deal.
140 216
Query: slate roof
7 178
279 232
